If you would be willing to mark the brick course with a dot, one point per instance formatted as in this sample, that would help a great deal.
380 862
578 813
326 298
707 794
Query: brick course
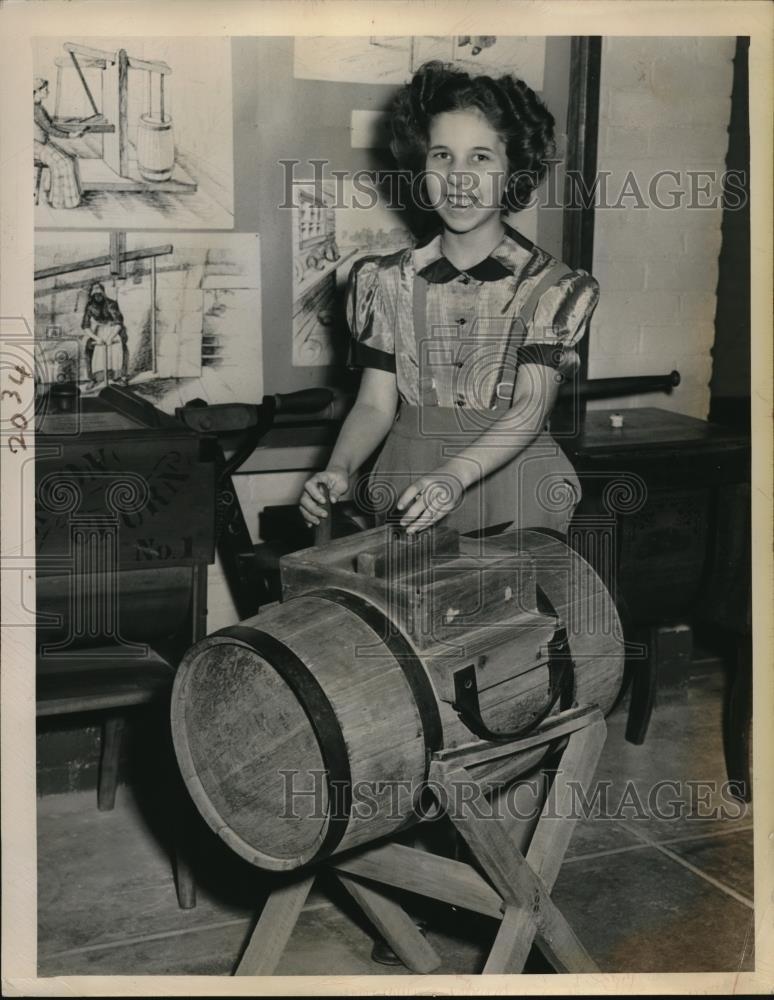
665 105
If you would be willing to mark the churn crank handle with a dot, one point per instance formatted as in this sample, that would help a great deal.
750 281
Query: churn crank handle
322 531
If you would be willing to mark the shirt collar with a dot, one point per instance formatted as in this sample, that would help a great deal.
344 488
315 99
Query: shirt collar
507 258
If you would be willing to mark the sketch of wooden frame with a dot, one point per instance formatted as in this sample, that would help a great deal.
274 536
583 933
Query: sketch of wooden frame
115 170
116 261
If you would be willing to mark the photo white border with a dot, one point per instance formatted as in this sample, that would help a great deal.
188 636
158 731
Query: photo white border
19 22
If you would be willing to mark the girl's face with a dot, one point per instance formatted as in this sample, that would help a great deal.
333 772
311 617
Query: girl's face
467 169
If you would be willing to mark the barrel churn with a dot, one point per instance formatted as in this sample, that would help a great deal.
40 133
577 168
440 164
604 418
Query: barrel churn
155 147
307 730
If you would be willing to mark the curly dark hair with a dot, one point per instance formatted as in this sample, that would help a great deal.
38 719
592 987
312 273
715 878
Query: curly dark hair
514 111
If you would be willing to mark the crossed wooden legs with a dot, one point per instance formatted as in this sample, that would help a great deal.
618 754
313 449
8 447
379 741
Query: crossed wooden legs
525 883
518 888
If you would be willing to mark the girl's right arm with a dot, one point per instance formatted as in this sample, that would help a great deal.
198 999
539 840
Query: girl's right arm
366 426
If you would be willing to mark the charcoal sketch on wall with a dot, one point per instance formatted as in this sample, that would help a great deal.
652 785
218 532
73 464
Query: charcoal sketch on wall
394 58
172 316
328 237
133 132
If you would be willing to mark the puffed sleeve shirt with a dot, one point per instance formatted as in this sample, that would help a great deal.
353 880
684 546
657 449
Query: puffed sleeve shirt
474 321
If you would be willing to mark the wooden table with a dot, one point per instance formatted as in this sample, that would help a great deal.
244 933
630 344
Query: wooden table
665 520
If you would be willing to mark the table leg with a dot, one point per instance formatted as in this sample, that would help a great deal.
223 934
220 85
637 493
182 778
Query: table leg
112 733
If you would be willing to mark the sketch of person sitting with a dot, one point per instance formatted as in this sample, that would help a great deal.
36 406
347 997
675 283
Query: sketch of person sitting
64 185
104 321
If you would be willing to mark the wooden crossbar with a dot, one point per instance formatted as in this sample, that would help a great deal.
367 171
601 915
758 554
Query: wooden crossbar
90 52
551 729
149 65
518 890
104 261
428 874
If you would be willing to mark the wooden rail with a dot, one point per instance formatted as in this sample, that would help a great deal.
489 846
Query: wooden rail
83 265
148 65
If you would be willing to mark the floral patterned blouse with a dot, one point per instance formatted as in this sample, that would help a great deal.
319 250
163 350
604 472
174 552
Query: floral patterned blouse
479 324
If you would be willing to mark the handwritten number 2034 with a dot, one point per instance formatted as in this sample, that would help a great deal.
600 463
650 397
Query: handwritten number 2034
18 420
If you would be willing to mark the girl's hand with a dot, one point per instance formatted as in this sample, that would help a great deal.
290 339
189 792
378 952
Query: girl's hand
312 502
428 500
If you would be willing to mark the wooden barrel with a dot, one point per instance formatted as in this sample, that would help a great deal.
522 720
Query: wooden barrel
307 730
277 720
155 148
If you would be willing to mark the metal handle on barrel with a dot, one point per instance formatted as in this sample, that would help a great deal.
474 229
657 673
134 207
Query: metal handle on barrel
466 703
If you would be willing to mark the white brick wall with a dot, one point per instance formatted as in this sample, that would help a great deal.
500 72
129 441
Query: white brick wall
665 105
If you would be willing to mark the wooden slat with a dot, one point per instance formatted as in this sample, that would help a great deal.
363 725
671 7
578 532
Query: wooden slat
97 125
509 953
273 930
341 552
501 654
117 250
519 886
555 726
115 148
98 175
395 926
87 62
470 592
102 261
122 122
551 839
525 884
427 874
85 85
399 555
149 65
579 764
93 703
90 51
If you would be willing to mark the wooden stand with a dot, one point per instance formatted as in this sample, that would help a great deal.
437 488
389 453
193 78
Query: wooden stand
518 890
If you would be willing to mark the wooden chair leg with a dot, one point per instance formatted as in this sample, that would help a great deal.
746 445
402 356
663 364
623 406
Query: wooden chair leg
181 817
181 827
737 722
112 733
185 883
395 926
274 927
644 685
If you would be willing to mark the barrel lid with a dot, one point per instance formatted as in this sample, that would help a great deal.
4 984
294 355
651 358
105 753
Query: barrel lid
249 754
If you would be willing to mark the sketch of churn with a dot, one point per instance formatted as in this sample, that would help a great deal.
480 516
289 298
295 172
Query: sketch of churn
107 80
155 138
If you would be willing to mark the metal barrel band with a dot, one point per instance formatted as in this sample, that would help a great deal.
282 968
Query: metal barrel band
322 718
407 659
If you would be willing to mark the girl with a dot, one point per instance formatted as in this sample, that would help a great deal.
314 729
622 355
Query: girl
463 338
64 189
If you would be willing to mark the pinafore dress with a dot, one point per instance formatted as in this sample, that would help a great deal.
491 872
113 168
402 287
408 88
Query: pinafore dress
538 488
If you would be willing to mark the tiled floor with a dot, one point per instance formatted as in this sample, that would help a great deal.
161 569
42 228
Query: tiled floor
668 893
